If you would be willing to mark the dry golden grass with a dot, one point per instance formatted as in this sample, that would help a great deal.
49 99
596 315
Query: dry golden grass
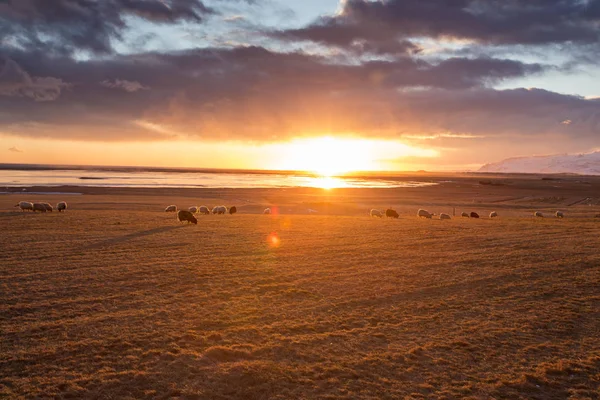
106 301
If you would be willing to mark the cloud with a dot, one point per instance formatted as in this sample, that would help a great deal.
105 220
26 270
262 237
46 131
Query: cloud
251 93
128 86
68 26
15 150
14 81
237 92
388 23
234 18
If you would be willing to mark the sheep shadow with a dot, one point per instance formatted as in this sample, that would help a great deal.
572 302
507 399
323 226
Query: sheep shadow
131 236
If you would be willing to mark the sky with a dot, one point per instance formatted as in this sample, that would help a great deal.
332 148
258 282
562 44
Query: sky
322 85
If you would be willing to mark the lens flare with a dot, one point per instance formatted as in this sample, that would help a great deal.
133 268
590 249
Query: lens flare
273 239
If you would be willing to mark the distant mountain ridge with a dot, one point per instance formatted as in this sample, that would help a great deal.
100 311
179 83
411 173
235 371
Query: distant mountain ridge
584 164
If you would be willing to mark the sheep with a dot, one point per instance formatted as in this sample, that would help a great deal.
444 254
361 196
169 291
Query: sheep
232 210
474 214
48 207
267 211
391 213
25 205
204 210
559 214
39 207
171 208
376 213
493 214
424 213
538 214
464 214
61 206
219 210
193 209
445 216
186 216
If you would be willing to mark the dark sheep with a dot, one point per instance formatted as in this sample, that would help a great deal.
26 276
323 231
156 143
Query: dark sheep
474 215
183 215
391 213
62 206
232 210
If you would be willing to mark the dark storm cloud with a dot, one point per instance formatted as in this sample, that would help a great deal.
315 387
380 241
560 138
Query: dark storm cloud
251 93
66 26
492 22
16 82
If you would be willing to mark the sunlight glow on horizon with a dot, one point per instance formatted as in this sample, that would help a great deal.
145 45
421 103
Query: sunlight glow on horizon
328 156
325 156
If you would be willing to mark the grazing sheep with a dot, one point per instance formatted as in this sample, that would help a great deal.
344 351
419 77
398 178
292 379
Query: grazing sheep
464 214
376 213
193 209
493 214
391 213
559 214
186 216
424 213
48 207
39 207
232 210
267 211
171 208
445 216
474 214
204 210
61 206
538 214
25 205
219 210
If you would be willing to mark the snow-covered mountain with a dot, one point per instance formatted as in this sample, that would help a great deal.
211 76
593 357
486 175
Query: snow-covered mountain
585 164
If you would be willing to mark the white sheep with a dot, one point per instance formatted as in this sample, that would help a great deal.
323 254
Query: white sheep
464 214
39 207
559 214
267 211
204 210
25 205
424 213
493 214
171 208
445 216
193 209
538 214
376 213
61 206
219 210
48 207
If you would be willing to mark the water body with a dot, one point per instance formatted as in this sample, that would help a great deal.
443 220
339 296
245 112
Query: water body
135 177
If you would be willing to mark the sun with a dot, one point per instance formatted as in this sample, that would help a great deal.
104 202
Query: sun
328 156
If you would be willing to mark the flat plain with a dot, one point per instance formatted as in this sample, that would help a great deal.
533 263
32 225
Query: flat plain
115 299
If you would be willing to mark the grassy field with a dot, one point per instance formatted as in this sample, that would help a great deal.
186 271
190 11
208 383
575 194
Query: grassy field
116 300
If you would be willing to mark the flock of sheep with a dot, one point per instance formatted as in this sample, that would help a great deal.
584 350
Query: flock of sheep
426 214
41 207
188 215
